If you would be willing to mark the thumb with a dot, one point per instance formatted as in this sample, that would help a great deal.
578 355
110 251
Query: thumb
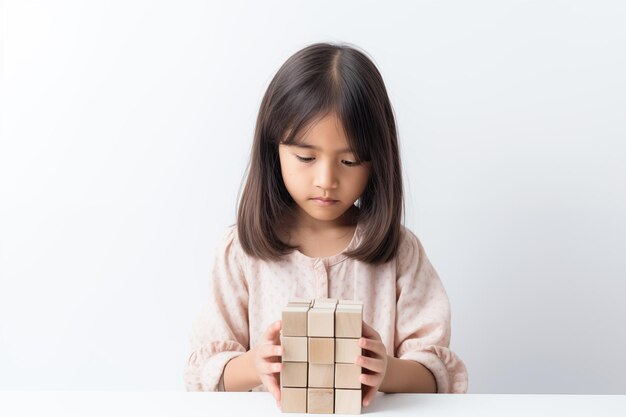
273 331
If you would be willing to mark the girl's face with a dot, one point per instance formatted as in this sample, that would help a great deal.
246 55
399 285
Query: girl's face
323 167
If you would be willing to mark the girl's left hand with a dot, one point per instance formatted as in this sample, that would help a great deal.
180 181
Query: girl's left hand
373 362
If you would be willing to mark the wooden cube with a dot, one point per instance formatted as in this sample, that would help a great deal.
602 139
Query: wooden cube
293 400
321 350
325 303
321 322
294 374
320 400
348 322
350 306
295 321
348 401
346 350
350 302
347 375
299 302
294 349
321 375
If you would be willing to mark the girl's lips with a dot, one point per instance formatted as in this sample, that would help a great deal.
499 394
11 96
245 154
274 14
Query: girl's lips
324 203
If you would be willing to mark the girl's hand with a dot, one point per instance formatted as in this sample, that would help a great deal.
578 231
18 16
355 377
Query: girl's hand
373 361
267 355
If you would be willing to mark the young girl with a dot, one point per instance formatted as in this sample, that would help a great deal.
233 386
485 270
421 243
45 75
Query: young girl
320 217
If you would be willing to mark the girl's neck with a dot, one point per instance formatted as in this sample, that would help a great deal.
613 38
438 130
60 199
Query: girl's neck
317 239
302 222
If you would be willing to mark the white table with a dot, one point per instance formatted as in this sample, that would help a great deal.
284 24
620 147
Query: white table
207 404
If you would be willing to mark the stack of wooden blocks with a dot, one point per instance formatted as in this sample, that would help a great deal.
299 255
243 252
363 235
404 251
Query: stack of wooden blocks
320 344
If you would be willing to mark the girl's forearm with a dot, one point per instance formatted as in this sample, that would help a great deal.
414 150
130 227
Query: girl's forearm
240 374
407 376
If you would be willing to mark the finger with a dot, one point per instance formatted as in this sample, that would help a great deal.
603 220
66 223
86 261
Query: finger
374 346
268 351
269 368
273 332
273 384
370 392
276 328
371 380
373 364
369 332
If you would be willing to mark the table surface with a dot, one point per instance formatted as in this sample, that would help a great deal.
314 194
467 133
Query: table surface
206 404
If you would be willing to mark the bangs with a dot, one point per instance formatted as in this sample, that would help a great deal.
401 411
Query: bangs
303 118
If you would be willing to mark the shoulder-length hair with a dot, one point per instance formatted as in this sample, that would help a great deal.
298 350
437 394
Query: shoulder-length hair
313 82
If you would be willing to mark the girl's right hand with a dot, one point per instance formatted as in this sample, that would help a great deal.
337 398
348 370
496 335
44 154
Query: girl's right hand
267 356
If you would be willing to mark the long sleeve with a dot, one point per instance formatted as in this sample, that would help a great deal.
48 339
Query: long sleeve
221 331
423 318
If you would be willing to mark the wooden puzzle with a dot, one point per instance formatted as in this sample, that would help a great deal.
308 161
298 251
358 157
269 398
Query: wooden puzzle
320 344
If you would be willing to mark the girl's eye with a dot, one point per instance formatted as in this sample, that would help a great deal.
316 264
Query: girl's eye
303 159
346 163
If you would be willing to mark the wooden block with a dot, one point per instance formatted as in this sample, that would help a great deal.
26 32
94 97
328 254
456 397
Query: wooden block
347 375
325 306
348 401
321 322
321 375
346 350
350 302
294 349
295 320
348 322
350 306
321 350
293 400
300 302
325 303
320 400
294 374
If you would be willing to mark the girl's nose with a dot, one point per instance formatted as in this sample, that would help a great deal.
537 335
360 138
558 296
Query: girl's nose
326 176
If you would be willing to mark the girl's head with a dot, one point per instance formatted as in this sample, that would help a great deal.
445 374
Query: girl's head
327 104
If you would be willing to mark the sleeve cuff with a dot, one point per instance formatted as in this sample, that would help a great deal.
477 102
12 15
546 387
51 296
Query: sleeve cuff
213 374
449 371
204 374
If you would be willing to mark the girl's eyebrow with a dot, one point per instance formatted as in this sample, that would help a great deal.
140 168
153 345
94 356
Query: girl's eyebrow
307 146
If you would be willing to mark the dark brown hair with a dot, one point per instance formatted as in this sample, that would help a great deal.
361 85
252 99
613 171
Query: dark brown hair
317 80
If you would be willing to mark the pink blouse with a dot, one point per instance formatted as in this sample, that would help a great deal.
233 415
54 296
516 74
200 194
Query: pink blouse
403 299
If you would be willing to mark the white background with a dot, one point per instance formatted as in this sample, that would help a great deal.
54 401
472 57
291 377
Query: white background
126 130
